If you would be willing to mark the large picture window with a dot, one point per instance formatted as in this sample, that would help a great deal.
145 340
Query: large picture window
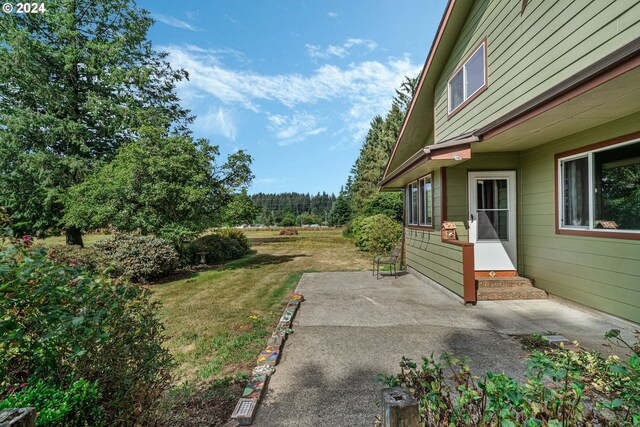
599 189
469 79
419 202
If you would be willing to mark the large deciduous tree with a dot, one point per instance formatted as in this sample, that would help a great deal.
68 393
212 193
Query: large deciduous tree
76 83
160 185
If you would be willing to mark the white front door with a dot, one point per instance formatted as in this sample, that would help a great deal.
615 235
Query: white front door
492 219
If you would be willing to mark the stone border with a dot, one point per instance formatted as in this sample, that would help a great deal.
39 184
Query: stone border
247 405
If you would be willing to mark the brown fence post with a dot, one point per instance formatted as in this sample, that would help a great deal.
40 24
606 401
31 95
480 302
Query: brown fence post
399 408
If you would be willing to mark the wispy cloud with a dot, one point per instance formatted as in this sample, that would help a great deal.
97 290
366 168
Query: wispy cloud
359 91
218 122
175 22
333 15
341 51
291 129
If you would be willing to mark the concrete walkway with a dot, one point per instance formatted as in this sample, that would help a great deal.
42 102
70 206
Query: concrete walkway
352 327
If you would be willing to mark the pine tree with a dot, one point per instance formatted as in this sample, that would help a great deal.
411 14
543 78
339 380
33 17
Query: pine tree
76 83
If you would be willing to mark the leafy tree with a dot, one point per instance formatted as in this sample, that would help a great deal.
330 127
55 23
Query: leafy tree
240 210
157 184
389 204
288 220
76 83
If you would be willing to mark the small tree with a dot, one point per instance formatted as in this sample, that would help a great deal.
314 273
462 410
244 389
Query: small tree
288 220
240 210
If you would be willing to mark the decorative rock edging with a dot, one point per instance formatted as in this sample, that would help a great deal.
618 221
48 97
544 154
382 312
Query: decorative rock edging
247 406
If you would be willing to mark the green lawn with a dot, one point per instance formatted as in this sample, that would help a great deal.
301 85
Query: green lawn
218 320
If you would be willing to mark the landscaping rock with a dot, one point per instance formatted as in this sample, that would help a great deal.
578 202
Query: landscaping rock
263 370
269 356
18 417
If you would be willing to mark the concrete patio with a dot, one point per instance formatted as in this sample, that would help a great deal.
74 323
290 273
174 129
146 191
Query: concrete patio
353 327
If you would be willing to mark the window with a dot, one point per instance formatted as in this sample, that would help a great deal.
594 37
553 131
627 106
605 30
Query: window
426 201
419 202
468 79
600 189
412 204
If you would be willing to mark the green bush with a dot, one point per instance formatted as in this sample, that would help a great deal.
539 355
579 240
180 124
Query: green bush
237 235
140 258
78 405
377 233
87 258
61 324
562 388
215 248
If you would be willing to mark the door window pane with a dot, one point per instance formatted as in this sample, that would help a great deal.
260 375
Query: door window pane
575 190
493 225
492 194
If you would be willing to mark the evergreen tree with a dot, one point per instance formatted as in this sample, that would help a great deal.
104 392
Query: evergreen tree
76 83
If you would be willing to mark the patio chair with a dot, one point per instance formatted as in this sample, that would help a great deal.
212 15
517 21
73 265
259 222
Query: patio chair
388 259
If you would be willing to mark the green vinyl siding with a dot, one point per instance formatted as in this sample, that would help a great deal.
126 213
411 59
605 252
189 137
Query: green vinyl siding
441 262
602 273
530 53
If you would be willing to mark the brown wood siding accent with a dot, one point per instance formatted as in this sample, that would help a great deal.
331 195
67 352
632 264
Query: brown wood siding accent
589 233
468 269
554 102
478 92
443 194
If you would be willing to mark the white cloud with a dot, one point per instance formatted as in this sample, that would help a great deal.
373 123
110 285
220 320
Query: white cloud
175 22
290 129
218 122
342 51
333 15
357 92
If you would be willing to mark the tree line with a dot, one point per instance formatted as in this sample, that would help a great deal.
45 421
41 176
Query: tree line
359 196
299 208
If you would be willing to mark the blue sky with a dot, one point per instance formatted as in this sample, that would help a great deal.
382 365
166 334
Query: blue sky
294 83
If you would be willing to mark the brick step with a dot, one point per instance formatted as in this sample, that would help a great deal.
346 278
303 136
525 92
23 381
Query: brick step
504 282
510 293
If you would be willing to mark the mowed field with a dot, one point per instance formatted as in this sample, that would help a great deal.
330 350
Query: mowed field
218 320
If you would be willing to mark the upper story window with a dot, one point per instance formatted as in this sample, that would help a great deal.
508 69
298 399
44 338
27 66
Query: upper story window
598 190
469 79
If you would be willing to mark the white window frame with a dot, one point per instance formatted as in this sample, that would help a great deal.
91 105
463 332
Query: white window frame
466 96
421 203
560 190
409 202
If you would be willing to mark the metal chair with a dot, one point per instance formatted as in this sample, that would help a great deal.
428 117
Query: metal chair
390 260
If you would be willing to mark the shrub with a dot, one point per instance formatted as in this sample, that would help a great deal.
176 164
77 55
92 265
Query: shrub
377 233
237 235
89 259
215 248
140 258
288 231
77 405
562 388
61 324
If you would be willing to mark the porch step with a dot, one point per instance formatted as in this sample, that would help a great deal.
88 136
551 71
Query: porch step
504 282
507 288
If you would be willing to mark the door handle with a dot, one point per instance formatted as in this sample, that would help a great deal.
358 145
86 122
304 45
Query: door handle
471 218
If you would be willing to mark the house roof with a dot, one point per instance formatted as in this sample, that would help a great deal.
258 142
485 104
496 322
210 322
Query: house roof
415 131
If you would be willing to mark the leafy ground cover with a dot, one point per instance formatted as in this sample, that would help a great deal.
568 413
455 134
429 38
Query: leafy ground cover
218 320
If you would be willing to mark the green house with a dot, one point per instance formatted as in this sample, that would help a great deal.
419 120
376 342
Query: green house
524 136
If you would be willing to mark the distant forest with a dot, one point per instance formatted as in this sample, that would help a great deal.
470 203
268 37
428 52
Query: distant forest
293 208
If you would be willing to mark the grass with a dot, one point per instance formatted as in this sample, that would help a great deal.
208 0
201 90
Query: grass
218 320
